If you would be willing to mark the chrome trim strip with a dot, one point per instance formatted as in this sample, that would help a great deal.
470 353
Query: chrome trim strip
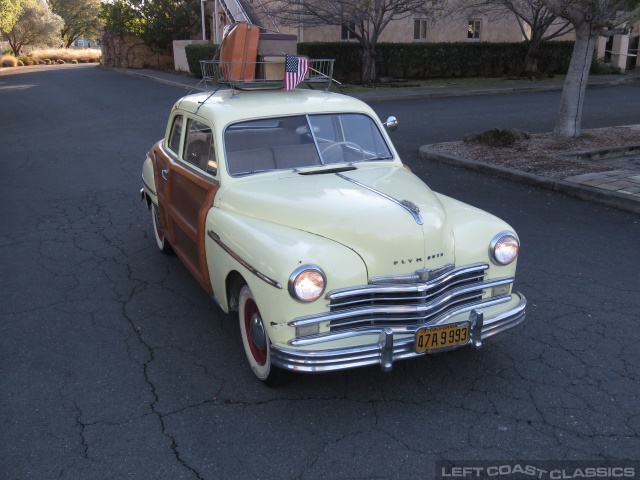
387 349
397 329
368 289
399 309
214 236
414 213
146 185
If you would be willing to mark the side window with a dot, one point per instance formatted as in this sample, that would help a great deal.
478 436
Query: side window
473 32
420 29
198 148
346 31
174 136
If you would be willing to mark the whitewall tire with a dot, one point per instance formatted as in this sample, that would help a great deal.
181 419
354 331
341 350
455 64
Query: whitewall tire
158 232
255 340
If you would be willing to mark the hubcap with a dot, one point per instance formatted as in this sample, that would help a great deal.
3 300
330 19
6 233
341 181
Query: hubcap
254 331
257 332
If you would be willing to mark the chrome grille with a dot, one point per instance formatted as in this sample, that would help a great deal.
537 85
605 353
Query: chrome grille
393 304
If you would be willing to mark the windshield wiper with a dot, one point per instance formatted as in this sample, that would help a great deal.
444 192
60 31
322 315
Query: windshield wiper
329 170
378 158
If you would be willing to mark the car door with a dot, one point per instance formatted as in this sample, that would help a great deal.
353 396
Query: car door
186 185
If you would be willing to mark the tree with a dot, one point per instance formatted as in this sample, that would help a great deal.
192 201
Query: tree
156 22
10 10
120 17
36 26
537 23
80 18
590 19
364 19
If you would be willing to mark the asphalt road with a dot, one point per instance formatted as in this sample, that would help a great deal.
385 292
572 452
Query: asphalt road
115 364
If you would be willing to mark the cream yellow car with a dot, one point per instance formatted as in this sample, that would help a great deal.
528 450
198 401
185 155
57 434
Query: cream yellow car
295 210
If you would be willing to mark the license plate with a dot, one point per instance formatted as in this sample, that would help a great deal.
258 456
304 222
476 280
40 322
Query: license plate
441 336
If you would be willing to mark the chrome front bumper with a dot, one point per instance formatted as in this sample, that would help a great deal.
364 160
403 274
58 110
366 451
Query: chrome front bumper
387 349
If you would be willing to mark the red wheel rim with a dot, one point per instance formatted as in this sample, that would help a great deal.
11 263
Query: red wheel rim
251 309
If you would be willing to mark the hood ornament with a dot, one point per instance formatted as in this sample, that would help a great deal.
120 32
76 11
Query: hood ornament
411 206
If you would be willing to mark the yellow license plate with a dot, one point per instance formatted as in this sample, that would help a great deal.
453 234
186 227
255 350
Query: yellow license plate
441 336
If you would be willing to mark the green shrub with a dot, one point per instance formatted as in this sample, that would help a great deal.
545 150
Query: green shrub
74 61
445 59
60 62
600 67
199 51
26 60
20 63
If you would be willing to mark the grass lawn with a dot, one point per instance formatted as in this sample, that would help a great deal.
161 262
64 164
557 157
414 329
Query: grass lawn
451 82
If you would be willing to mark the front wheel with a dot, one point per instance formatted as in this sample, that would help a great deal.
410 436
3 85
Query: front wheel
158 232
256 340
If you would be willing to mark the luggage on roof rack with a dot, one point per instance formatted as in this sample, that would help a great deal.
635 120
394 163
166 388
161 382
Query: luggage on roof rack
268 72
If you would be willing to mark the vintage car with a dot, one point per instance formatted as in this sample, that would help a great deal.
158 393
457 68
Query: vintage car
294 209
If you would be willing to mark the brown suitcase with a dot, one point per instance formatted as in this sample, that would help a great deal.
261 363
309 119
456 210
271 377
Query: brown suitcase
238 52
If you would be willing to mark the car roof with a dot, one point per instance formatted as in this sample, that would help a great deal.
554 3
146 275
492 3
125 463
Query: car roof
227 106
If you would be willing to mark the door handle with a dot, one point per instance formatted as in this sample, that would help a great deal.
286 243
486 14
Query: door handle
165 173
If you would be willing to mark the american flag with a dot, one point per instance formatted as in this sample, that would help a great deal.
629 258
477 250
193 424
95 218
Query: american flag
295 69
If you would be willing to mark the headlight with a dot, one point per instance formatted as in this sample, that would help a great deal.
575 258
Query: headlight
307 283
504 248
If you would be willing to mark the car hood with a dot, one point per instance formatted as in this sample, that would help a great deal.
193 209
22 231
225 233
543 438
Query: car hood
355 208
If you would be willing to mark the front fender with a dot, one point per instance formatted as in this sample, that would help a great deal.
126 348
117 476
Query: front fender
148 180
275 252
473 230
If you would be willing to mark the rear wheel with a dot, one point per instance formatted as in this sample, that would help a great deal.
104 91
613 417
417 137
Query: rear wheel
158 232
256 340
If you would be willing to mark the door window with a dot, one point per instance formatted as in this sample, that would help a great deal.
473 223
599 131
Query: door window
199 150
174 136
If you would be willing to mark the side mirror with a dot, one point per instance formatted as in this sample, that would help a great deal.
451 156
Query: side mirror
391 123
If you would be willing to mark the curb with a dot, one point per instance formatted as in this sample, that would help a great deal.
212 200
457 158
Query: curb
407 95
155 78
583 192
384 97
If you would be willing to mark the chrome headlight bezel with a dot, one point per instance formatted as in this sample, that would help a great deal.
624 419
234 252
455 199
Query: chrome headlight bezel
303 273
504 240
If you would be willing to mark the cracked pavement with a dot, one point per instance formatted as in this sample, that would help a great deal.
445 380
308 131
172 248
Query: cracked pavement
115 364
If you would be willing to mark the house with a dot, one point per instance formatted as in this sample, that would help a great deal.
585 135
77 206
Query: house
620 50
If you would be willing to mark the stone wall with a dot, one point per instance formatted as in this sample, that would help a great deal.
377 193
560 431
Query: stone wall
129 51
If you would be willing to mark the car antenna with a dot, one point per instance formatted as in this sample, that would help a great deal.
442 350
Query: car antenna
210 95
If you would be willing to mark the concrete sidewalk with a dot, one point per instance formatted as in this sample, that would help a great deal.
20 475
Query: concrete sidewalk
618 188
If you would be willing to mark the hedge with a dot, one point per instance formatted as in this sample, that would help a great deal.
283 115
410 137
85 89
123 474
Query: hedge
421 60
199 51
425 60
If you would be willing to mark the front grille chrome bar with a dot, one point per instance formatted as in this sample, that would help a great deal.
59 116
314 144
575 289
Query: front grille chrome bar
336 295
397 329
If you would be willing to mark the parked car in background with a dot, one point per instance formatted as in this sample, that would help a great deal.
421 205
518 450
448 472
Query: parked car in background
294 210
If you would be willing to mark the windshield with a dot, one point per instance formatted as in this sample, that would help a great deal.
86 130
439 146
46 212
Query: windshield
302 141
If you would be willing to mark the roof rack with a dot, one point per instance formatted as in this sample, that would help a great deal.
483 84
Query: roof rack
267 74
